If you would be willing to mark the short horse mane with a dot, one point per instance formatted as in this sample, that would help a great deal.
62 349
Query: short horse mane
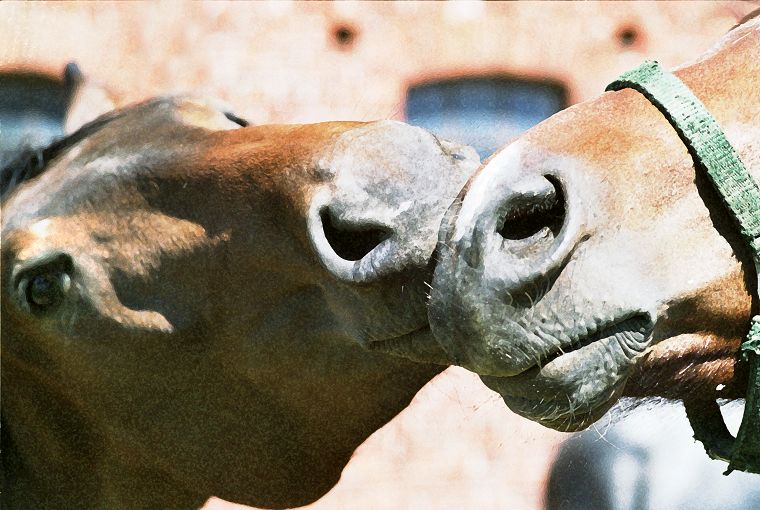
27 162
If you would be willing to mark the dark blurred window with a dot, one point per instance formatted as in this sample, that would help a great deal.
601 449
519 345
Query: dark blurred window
32 109
485 112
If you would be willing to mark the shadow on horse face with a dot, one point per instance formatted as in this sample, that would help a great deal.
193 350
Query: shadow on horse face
588 260
191 307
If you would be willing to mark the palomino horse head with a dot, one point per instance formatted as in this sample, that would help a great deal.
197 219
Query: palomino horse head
195 308
587 260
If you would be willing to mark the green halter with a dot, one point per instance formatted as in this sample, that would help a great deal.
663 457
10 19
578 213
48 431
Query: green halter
711 152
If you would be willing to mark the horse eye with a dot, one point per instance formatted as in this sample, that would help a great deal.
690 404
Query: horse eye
46 290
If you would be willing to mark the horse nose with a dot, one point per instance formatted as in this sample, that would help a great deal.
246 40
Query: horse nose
361 245
380 215
525 217
529 223
352 240
502 246
514 224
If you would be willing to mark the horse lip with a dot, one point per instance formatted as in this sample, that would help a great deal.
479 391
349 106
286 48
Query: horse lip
630 323
537 392
567 420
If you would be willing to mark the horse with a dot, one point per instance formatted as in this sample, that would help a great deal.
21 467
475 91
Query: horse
590 259
192 306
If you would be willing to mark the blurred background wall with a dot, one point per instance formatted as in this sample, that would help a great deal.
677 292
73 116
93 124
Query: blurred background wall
474 72
477 71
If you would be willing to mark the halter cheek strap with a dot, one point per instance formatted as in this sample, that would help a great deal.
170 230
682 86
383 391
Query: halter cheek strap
712 153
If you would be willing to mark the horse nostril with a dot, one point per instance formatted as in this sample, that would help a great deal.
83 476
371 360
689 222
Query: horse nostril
351 241
528 216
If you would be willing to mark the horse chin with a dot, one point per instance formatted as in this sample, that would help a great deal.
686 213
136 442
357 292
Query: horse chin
418 346
572 390
563 415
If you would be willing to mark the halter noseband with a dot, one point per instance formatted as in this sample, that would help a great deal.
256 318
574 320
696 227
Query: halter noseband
711 152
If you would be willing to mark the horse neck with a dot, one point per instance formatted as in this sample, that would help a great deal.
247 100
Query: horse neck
85 483
54 458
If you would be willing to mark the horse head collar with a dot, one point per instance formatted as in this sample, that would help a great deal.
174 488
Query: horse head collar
714 155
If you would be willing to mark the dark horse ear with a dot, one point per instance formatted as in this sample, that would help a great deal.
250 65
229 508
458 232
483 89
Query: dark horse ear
237 120
72 78
86 100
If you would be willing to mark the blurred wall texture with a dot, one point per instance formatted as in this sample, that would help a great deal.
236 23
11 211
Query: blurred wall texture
309 62
474 71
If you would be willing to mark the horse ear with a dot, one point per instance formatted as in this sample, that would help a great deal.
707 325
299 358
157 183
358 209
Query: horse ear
86 100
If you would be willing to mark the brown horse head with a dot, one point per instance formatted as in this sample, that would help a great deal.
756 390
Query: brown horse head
195 308
588 260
